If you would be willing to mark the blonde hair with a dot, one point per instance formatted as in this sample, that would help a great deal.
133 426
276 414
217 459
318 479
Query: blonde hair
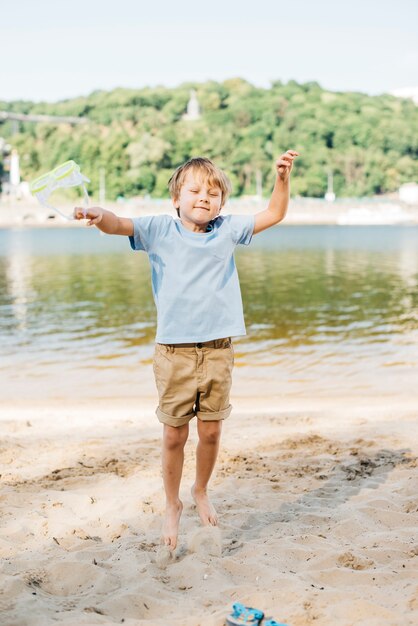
207 169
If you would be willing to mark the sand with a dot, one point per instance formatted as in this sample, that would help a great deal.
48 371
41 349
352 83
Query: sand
318 508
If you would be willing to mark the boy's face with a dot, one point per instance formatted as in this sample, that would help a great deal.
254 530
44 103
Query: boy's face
199 203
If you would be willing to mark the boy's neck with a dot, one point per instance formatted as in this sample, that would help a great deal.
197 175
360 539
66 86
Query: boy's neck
195 228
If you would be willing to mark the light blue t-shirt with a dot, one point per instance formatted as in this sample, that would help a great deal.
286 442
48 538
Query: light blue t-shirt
194 278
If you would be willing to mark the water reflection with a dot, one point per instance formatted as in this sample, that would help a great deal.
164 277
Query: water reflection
18 281
324 306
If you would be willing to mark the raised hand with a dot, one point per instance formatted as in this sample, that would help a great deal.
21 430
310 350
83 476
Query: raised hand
284 164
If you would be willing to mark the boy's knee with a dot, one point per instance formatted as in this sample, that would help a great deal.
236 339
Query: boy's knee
210 432
175 436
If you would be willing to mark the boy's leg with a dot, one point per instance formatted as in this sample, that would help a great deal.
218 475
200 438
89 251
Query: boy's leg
174 439
206 454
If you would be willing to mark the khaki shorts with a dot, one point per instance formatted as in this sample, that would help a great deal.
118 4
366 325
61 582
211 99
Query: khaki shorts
193 379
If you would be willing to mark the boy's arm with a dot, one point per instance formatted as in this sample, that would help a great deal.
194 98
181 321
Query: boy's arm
279 200
106 221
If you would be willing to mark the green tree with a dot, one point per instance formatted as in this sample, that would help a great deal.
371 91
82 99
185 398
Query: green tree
139 136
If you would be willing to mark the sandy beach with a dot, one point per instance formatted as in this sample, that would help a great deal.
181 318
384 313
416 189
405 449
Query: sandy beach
318 512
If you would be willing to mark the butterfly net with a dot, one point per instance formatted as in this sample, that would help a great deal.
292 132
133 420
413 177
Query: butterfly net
67 174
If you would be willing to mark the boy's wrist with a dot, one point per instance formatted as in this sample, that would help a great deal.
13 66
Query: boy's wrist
283 184
107 221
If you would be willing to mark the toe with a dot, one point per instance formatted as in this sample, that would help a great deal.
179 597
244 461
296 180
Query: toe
170 542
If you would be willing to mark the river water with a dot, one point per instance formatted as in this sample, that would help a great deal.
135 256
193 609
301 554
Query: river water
331 311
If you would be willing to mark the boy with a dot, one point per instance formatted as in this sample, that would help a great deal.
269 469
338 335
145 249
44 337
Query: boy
199 308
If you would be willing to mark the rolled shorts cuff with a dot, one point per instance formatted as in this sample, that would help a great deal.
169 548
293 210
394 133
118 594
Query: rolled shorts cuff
173 421
215 417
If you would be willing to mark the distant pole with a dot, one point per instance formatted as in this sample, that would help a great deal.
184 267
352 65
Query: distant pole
330 195
102 185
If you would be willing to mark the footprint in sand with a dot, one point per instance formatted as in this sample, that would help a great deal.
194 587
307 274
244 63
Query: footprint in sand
354 562
206 541
164 556
35 577
411 506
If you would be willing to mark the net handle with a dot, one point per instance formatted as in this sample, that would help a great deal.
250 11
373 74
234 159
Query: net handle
86 201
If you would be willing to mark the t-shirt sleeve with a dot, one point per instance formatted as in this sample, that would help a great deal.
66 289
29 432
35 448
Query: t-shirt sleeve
147 230
242 228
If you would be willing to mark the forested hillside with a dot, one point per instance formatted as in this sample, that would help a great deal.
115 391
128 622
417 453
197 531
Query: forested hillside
140 136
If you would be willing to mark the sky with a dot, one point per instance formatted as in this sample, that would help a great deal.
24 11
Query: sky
52 51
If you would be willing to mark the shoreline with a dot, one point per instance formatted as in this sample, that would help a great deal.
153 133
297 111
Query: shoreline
309 211
146 405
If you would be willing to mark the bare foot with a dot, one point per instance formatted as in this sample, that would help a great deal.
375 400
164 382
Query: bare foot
205 508
171 525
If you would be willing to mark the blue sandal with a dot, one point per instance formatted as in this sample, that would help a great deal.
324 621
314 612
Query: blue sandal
272 622
244 615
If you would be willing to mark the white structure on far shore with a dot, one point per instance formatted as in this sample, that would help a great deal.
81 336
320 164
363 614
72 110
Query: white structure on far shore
14 169
12 187
408 193
193 108
406 92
